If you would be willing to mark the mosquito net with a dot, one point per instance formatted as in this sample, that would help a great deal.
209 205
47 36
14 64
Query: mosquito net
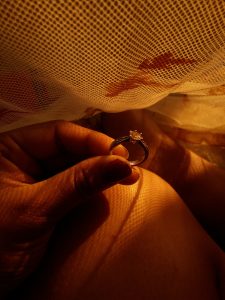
71 59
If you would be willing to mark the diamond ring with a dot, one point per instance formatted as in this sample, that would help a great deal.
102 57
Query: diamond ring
134 137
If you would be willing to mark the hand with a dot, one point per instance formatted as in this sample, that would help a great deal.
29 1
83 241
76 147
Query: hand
45 171
199 182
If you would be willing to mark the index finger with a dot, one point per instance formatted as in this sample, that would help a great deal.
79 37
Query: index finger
42 141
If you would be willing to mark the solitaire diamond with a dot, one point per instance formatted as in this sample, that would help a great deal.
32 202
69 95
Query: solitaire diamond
135 135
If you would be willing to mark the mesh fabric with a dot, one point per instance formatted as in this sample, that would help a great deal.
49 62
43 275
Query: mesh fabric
71 59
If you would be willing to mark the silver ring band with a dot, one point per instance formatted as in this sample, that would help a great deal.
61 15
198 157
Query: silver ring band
133 137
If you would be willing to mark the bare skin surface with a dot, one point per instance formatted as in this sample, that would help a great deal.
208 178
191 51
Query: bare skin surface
46 171
138 242
141 240
199 183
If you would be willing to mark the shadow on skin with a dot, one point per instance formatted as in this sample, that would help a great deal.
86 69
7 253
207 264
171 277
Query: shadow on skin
71 232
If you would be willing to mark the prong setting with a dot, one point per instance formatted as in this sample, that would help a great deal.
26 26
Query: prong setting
135 136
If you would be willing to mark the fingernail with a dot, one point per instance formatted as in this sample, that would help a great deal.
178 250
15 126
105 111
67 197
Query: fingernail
121 151
116 170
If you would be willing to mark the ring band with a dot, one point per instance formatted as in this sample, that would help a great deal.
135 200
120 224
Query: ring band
133 137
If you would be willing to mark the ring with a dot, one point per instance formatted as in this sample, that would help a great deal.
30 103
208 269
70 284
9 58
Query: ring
133 137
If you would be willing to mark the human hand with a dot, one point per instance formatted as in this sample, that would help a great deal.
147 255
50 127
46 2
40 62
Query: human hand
167 159
45 171
199 182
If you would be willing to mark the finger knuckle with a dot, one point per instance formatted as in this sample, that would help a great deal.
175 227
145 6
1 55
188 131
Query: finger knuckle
84 184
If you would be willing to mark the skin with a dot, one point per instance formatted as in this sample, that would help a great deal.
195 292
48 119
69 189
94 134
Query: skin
46 171
198 182
149 239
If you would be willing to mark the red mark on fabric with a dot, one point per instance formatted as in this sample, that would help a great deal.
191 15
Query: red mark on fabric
144 78
164 61
21 94
141 79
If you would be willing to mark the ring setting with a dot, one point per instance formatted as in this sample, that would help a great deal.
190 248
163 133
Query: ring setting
134 137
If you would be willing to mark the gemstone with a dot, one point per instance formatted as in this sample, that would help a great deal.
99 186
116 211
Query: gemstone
135 135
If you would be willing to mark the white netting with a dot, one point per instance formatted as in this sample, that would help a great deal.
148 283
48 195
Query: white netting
69 59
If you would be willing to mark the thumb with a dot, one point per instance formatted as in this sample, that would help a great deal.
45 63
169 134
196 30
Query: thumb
55 196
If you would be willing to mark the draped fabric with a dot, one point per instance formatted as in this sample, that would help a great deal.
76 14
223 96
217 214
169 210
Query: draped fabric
72 59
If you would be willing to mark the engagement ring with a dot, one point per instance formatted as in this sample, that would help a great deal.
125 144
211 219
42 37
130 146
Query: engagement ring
134 137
